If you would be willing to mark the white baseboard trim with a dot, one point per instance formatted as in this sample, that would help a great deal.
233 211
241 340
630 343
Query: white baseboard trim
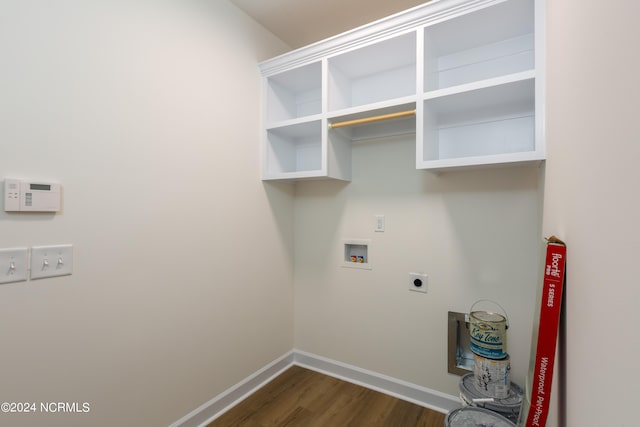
229 398
226 400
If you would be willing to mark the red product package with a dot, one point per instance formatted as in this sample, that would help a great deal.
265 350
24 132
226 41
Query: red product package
550 305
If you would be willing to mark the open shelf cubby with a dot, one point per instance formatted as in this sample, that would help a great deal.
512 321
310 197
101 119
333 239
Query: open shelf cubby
492 42
486 125
296 148
295 93
379 72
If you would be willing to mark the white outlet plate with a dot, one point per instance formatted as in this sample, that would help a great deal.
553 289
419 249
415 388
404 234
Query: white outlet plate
13 265
418 282
51 261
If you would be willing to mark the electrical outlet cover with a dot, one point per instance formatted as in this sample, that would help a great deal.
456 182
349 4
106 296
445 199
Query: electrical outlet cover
418 282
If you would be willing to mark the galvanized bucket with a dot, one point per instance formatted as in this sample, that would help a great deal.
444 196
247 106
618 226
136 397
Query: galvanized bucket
472 416
509 407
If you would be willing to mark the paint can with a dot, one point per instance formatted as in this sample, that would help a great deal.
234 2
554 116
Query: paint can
492 376
508 407
488 332
473 416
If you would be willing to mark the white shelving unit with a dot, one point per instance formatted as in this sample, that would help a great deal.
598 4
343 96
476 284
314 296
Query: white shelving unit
293 132
464 71
479 104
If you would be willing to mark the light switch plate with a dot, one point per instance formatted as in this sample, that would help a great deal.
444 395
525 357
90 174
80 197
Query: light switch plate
51 261
13 265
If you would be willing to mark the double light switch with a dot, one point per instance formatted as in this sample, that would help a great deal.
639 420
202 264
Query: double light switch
50 261
46 261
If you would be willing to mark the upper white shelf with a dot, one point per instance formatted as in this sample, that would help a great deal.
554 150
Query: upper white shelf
491 42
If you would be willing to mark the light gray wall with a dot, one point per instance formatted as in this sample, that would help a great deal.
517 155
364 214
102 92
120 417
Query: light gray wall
475 233
591 200
148 114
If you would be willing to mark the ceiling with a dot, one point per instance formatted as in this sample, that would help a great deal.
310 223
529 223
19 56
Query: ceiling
302 22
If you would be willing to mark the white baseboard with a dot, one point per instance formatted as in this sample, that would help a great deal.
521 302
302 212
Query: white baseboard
226 400
229 398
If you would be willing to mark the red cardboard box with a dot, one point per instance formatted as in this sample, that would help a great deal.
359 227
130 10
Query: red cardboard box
550 306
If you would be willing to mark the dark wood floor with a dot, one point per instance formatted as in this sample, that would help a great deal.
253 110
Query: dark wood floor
301 397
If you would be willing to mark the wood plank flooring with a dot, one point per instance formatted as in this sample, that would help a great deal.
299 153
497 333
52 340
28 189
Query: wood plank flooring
301 397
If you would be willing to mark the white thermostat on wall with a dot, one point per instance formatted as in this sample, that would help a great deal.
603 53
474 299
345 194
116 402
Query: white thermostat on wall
31 196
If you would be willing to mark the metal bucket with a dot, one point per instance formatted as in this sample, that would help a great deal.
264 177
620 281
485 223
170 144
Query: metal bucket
508 407
471 417
488 332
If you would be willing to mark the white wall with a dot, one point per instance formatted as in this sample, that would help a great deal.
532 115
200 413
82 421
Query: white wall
148 113
591 201
475 233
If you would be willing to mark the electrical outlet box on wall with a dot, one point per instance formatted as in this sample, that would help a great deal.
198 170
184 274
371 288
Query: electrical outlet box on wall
418 282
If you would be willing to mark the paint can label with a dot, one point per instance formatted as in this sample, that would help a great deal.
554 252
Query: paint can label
488 334
492 377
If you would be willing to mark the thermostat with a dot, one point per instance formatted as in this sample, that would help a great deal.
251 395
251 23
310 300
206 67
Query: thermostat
31 196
